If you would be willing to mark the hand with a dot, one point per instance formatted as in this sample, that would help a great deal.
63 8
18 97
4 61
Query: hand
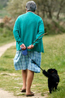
30 47
23 47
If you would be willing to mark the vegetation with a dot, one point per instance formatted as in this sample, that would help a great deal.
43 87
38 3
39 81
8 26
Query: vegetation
51 12
3 13
53 27
45 8
3 3
54 57
6 36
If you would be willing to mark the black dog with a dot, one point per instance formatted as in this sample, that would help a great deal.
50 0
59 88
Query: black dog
53 79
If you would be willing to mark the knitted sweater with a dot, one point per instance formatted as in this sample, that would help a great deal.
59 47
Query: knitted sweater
27 28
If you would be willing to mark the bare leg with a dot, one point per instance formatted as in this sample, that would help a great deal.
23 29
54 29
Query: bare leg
30 76
24 76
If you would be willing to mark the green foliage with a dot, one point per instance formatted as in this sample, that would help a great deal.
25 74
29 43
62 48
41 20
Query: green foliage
1 25
45 8
17 7
54 57
1 6
53 27
3 13
3 3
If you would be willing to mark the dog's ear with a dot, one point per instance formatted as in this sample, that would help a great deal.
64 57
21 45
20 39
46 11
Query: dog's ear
55 71
52 71
49 70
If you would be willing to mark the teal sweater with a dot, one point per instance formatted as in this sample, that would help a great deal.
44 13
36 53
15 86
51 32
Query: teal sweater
27 28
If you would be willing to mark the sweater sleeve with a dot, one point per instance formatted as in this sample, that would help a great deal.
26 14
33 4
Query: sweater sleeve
40 32
16 31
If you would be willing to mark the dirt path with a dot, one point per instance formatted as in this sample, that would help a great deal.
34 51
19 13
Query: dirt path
5 47
6 94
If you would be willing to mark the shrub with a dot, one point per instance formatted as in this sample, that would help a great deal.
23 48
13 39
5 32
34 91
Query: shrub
53 27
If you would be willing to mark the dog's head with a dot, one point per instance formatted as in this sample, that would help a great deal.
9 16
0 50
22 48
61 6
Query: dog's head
54 75
51 71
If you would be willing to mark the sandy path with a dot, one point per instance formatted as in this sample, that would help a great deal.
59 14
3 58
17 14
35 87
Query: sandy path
5 47
6 94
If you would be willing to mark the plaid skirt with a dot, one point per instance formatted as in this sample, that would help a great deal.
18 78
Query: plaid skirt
22 62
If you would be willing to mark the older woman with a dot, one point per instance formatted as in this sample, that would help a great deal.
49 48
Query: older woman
27 28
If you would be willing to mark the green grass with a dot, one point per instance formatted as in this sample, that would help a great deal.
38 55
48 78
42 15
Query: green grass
54 57
6 36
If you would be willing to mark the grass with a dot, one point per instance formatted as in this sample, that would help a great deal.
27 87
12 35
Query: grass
54 57
6 36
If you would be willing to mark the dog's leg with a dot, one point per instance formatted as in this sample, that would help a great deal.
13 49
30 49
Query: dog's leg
55 87
49 86
47 74
50 90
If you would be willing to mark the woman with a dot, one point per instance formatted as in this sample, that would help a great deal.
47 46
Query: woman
27 28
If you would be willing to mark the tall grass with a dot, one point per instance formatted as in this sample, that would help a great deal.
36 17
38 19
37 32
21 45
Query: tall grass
6 36
54 57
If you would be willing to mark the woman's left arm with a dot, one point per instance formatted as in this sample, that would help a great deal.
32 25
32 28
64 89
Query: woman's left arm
40 32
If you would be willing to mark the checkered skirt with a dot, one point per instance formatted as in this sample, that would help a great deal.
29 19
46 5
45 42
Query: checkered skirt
22 62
